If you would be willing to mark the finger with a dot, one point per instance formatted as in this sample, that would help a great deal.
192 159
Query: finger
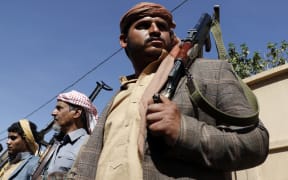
153 117
170 131
156 128
164 99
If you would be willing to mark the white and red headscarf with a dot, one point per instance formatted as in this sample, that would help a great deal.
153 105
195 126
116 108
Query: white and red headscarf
80 99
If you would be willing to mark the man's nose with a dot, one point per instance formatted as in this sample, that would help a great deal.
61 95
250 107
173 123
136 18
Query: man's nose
8 141
54 112
154 28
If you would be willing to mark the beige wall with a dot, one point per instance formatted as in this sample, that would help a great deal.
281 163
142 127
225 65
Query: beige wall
271 89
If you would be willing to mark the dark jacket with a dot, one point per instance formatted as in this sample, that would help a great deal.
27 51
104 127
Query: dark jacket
207 147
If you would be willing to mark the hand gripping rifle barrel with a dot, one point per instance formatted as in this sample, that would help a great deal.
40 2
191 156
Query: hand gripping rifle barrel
190 49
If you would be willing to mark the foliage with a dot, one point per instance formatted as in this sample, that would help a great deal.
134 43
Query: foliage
245 66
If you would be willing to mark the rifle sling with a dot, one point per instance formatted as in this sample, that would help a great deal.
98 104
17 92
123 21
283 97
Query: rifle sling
197 97
217 34
47 156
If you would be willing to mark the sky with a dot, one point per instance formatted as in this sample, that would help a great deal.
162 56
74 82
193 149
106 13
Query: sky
47 47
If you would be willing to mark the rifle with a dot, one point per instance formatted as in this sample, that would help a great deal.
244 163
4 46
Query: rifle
51 124
57 137
191 48
98 88
3 159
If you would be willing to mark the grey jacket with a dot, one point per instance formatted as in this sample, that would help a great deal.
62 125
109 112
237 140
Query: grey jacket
26 168
207 147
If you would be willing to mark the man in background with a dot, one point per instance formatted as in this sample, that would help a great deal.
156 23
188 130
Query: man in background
22 147
76 116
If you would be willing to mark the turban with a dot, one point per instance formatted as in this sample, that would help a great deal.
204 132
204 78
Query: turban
29 138
80 99
144 9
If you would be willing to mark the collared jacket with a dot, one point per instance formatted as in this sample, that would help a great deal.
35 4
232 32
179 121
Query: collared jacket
207 148
67 150
26 168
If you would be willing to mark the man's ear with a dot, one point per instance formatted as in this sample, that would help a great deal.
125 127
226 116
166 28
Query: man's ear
123 40
78 113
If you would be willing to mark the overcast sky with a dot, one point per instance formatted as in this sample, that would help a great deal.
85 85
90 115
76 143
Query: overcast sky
50 46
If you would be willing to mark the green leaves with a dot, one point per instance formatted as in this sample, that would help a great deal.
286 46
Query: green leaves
245 66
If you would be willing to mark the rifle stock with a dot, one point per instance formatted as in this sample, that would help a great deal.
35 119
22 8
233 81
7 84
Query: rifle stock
191 48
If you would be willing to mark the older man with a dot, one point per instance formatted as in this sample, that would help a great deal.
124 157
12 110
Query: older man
76 115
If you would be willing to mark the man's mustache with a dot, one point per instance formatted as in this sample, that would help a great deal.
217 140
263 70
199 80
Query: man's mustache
153 39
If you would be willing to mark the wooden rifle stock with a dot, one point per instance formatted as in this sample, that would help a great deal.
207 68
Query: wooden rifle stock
54 142
190 49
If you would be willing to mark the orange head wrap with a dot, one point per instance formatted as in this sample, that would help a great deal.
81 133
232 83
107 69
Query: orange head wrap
144 9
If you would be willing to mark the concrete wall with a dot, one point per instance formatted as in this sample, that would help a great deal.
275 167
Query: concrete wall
271 89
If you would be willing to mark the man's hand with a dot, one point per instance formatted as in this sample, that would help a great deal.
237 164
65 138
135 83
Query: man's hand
164 119
57 175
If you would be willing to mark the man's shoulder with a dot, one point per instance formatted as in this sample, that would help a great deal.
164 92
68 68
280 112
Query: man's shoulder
33 158
210 68
31 162
77 134
212 63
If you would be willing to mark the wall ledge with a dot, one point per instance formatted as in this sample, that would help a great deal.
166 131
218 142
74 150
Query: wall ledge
266 75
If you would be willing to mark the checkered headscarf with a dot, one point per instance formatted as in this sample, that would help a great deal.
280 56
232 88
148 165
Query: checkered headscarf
80 99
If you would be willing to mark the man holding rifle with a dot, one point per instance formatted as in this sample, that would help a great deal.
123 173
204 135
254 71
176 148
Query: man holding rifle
139 138
76 115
